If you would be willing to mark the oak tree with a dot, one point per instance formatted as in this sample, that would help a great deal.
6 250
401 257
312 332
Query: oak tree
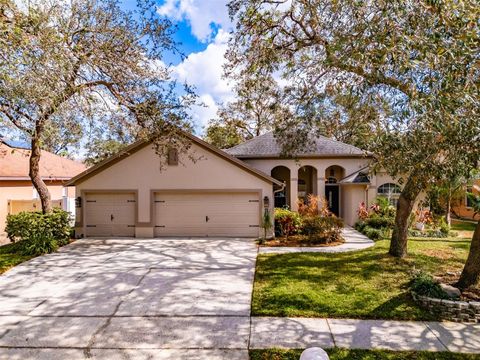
84 57
418 58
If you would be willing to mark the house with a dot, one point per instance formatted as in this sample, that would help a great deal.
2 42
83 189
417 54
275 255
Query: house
16 189
328 168
223 193
463 207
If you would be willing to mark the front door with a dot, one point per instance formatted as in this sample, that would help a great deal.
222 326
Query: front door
333 198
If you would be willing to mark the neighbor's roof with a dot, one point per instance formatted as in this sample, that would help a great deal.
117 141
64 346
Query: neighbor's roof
129 150
14 164
267 146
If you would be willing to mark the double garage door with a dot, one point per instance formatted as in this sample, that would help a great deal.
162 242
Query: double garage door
235 214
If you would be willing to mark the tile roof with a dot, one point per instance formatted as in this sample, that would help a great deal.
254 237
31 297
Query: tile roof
267 146
14 165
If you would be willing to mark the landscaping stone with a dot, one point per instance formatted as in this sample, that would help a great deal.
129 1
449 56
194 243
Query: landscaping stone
450 290
458 311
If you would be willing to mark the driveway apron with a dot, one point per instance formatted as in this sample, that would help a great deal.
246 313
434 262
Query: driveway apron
131 299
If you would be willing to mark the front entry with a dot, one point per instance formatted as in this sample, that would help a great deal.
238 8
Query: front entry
332 193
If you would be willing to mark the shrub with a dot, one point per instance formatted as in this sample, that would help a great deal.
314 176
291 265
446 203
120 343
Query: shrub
289 222
315 205
443 226
322 229
36 225
372 233
424 284
378 222
38 243
360 226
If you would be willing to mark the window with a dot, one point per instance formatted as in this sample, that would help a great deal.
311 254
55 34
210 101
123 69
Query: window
331 180
390 191
173 157
468 200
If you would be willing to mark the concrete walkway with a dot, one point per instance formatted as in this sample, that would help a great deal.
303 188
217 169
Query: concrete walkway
299 333
354 241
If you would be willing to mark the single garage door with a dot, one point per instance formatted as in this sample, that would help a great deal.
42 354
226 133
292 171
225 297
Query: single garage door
207 214
110 214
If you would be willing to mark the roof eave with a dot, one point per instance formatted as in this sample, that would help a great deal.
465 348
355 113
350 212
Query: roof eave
142 143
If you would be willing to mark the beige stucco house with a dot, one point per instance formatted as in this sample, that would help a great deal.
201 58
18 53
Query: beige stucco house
463 206
223 193
16 190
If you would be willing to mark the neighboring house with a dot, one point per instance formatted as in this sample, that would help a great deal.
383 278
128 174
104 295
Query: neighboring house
223 193
16 189
463 207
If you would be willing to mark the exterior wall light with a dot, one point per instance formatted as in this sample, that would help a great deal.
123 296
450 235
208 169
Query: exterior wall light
266 202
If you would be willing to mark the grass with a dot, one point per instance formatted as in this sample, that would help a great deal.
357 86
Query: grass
343 354
9 257
367 284
463 225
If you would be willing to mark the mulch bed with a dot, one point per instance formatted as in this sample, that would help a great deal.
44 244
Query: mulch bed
471 294
297 241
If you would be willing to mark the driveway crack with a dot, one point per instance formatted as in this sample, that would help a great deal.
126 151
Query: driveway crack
87 351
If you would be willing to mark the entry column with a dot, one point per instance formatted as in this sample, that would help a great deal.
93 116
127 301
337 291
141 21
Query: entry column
321 187
293 194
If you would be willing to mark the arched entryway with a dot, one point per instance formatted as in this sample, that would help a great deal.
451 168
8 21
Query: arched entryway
333 174
307 182
282 198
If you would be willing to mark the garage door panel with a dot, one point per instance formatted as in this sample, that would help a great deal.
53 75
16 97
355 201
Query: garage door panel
110 214
185 214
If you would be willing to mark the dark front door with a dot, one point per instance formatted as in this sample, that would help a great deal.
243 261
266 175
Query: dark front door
333 198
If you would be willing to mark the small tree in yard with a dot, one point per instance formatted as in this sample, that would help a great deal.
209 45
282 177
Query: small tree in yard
416 62
86 60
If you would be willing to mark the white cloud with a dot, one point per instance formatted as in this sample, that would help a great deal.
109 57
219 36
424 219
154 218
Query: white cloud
202 114
202 15
204 71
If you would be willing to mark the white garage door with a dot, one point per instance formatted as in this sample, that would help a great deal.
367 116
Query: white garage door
207 214
110 214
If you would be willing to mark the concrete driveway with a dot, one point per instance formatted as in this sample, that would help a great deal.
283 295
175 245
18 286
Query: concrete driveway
130 298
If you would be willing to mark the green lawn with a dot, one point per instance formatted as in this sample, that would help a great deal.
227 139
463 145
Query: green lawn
9 257
463 225
367 284
342 354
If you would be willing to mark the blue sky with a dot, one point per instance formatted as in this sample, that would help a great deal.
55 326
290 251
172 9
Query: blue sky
203 31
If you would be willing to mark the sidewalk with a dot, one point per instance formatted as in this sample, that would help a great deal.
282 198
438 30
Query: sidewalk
300 333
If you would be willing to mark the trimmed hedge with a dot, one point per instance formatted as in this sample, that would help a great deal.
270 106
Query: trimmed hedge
39 233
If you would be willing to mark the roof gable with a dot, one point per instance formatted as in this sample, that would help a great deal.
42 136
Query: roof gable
267 146
143 143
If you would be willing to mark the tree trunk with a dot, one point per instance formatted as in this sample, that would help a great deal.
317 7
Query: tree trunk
448 210
35 175
398 244
471 272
